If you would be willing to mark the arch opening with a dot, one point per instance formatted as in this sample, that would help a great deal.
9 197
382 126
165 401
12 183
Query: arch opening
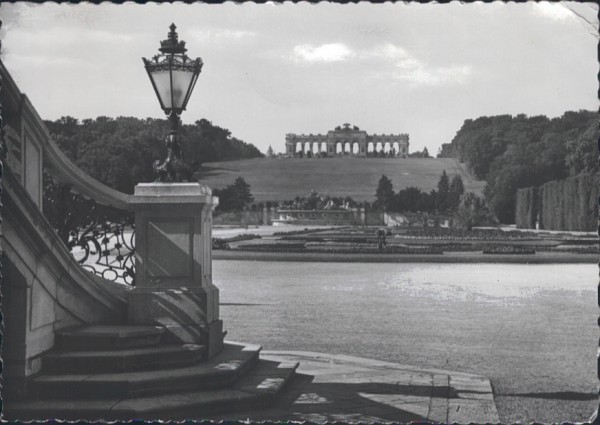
347 148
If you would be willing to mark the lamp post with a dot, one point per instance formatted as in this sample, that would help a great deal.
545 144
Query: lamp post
173 76
173 238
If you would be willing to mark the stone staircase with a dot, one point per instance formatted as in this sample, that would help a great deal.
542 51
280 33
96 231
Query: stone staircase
126 372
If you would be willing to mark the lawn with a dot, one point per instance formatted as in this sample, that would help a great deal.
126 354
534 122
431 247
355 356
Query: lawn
273 179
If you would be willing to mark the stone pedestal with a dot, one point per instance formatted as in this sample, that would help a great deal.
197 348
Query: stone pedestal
173 263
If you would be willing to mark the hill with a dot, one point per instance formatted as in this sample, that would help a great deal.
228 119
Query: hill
274 179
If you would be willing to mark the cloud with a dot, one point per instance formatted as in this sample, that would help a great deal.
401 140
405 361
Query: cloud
221 35
389 61
22 61
435 76
409 68
389 51
333 52
63 37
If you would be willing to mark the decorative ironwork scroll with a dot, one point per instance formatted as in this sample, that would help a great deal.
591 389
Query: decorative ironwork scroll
101 238
106 249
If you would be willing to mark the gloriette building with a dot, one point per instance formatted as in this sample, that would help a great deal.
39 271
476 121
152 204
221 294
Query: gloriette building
346 141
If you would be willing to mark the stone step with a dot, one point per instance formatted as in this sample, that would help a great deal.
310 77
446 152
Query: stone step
222 370
128 360
276 411
105 337
259 388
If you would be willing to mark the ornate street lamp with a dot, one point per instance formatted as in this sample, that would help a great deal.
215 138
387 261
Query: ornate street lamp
173 75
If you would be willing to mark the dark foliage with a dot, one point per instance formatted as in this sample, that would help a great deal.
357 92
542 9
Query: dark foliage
234 197
420 154
457 189
316 201
443 192
516 152
384 194
119 152
412 199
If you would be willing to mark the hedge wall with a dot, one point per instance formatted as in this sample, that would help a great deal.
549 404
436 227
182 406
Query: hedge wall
526 213
570 204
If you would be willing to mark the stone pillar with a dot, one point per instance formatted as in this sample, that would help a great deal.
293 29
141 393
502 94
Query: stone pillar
173 264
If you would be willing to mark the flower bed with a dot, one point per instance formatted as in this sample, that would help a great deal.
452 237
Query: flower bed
509 250
373 250
332 238
476 234
243 237
337 248
303 232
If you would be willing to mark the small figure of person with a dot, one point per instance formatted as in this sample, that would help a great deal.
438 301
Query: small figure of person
381 233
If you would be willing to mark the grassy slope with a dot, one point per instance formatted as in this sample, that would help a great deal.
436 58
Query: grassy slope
274 179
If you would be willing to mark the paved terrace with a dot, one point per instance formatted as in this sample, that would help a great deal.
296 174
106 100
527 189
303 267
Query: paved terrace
353 389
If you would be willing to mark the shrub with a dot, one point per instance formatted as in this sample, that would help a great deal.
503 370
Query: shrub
218 243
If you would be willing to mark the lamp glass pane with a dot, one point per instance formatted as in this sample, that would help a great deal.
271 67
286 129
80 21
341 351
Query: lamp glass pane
162 81
181 83
192 85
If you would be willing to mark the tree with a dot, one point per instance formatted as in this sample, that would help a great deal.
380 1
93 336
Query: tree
457 188
270 152
443 192
472 212
120 151
582 151
409 199
235 197
512 152
384 193
425 153
240 190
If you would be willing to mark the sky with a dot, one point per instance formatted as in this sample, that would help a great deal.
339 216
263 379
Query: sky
273 69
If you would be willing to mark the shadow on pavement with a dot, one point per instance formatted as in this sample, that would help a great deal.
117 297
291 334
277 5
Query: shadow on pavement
561 395
322 401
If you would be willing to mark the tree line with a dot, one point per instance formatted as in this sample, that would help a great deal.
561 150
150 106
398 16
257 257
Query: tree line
446 198
512 152
119 152
450 198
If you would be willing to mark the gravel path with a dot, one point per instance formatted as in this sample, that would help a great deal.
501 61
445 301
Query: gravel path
530 329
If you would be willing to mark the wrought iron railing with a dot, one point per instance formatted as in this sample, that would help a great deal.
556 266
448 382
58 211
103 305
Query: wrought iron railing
100 237
106 249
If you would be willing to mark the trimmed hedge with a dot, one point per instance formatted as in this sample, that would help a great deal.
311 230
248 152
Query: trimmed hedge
304 231
569 204
243 237
219 243
527 209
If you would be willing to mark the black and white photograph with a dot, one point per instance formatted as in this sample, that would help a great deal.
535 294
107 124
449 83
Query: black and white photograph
328 212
